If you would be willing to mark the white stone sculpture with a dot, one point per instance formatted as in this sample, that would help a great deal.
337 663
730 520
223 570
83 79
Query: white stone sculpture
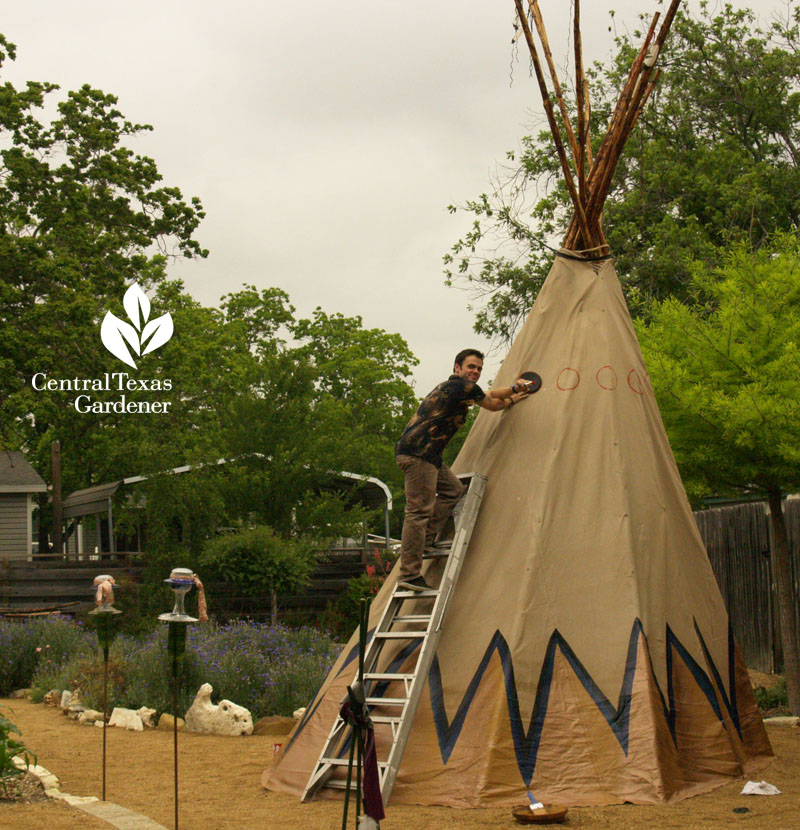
226 718
126 718
148 716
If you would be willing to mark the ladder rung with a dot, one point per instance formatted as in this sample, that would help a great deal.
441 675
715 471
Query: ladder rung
412 618
337 784
387 701
385 719
400 635
340 784
388 676
439 554
343 762
432 594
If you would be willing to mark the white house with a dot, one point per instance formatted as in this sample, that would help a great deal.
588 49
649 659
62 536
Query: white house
18 482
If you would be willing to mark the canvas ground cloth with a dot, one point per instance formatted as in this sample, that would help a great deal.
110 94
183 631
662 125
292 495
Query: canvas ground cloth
586 653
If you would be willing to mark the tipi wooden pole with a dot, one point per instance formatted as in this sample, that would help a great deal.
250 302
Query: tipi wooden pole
666 25
620 111
539 21
632 100
580 158
606 160
650 88
580 215
632 123
641 91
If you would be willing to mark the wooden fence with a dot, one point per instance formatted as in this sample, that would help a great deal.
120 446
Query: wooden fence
739 543
67 584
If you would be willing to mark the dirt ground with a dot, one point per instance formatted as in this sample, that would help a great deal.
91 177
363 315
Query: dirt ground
221 790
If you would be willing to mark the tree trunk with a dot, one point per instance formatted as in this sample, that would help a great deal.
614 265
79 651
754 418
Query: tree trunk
55 459
273 607
44 536
782 572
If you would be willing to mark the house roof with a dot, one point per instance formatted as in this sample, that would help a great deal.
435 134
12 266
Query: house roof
88 501
17 475
372 492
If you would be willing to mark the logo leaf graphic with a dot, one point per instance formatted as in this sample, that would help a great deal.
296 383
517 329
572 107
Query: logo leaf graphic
134 301
116 333
112 333
161 330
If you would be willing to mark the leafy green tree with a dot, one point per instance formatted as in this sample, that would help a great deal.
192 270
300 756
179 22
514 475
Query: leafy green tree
724 370
715 157
361 381
81 218
257 559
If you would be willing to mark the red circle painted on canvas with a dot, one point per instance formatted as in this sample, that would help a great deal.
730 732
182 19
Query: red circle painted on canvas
574 379
638 389
609 376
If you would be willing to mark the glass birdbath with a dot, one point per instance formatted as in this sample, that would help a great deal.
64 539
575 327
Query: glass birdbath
105 614
181 580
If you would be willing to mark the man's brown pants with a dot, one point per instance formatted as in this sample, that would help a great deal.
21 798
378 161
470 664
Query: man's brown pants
431 494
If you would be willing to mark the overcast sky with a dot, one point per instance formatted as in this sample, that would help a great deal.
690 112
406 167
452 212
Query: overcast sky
324 139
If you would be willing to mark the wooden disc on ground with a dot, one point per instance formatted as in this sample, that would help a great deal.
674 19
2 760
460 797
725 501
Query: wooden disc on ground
543 815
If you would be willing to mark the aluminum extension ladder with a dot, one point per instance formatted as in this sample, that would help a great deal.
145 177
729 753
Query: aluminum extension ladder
423 628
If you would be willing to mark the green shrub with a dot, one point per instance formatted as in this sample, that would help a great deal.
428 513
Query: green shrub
775 697
257 560
9 747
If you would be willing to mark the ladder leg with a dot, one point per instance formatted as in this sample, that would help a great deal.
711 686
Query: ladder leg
347 791
359 739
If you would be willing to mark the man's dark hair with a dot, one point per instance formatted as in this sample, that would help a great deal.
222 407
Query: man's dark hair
464 354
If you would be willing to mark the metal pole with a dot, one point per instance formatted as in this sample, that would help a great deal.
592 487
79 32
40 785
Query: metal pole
104 615
175 733
181 581
105 718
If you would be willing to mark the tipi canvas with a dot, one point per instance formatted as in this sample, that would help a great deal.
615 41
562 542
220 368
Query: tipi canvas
586 654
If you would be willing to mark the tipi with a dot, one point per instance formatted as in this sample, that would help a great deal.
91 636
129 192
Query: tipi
587 654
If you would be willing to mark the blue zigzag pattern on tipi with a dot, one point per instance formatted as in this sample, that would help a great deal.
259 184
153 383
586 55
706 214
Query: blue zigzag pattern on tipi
526 742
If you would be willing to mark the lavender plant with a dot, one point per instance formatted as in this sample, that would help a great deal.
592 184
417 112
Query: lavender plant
271 670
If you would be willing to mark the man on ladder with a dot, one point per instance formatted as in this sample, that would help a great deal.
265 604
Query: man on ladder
431 488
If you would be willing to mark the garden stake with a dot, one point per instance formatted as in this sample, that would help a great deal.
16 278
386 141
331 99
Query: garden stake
181 581
354 711
106 631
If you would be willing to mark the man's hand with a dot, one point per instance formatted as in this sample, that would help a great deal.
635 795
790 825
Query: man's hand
524 386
